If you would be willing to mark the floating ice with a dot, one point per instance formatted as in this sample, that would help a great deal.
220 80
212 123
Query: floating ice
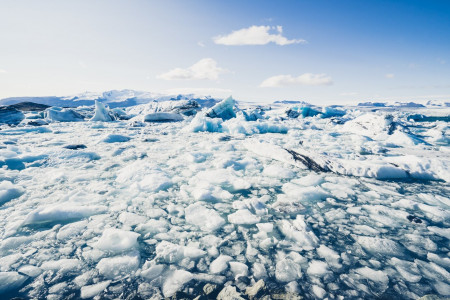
117 240
9 191
117 266
163 117
10 281
90 291
63 212
116 138
206 219
10 115
353 206
243 216
57 114
175 282
101 113
223 109
220 264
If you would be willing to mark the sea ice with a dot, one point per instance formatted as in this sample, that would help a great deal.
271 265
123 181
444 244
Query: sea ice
117 240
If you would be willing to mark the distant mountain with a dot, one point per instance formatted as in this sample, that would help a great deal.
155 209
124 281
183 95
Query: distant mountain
114 98
291 102
375 104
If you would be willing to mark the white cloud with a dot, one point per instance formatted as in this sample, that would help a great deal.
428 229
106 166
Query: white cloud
256 35
389 76
304 79
205 68
2 71
201 44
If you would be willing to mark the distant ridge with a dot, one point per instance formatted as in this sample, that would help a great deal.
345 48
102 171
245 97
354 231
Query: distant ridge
114 98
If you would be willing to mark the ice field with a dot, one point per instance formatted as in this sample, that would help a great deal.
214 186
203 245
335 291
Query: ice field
161 198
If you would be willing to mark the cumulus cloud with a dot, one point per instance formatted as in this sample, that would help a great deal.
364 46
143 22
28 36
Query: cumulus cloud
304 79
205 68
256 35
389 76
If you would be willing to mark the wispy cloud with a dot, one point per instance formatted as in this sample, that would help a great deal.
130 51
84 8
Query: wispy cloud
304 79
2 71
205 68
256 35
389 76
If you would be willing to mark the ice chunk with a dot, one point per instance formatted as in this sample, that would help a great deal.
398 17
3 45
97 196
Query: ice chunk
330 111
203 123
287 270
172 253
102 114
153 227
152 272
319 292
238 268
57 114
381 246
70 230
408 270
131 219
10 115
116 138
331 256
318 268
9 191
243 216
163 117
155 182
10 281
220 264
90 291
117 240
374 275
206 219
112 267
299 232
278 172
30 270
62 212
175 282
223 109
63 265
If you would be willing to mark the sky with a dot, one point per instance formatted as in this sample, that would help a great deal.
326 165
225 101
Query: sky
323 52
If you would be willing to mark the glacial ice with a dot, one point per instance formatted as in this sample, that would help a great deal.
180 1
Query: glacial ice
102 114
349 203
117 240
57 114
9 191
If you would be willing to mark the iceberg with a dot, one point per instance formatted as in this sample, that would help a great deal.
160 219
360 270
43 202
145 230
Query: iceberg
223 110
10 115
57 114
102 114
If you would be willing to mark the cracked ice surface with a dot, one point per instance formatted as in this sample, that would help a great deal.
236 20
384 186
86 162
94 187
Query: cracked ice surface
152 210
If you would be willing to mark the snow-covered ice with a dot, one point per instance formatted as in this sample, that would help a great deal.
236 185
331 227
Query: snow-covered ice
337 202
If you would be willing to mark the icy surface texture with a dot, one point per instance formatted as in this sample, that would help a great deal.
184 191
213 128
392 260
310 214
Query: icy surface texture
353 205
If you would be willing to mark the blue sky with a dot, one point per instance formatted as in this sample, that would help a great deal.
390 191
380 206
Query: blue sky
317 51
